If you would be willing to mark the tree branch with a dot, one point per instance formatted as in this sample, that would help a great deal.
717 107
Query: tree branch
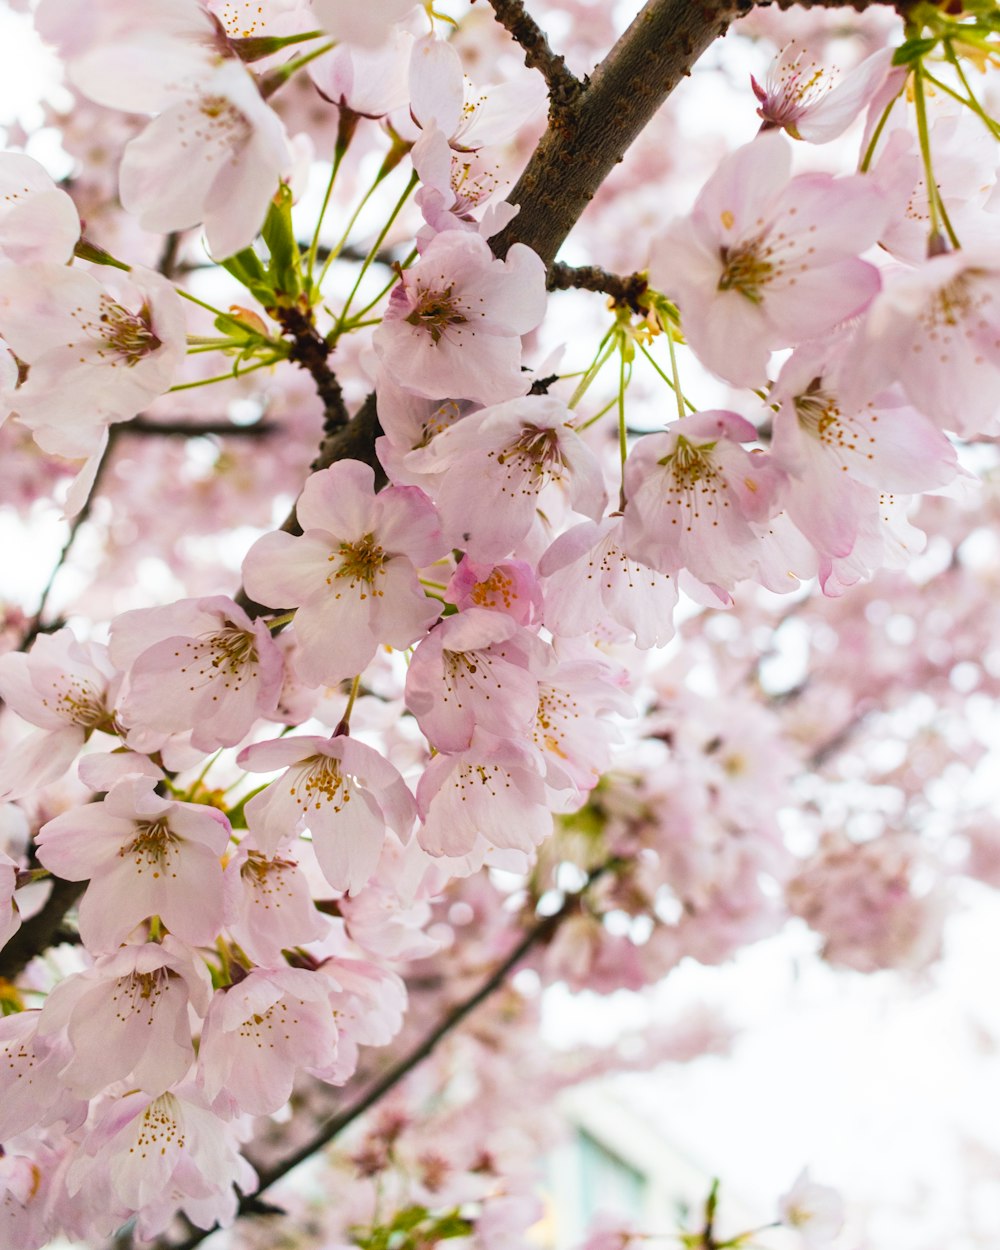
310 352
564 87
624 289
181 428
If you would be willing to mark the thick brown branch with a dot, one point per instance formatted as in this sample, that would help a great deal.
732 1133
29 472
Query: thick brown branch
564 87
578 151
624 289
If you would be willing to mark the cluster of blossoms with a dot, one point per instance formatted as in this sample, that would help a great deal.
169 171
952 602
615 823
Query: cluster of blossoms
286 797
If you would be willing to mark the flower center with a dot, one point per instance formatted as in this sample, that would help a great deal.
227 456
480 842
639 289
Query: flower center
746 269
152 847
360 562
435 311
320 781
129 335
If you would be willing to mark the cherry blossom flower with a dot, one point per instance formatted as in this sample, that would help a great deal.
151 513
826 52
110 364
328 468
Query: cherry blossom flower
200 665
801 98
693 493
30 1093
491 792
936 330
343 791
269 905
455 320
496 463
259 1032
368 1002
152 1156
99 348
67 689
126 1018
474 670
38 220
588 577
470 118
765 262
840 458
815 1211
144 856
215 157
510 586
369 82
454 185
351 574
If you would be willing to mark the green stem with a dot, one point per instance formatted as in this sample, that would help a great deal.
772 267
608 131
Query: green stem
201 303
373 252
355 687
601 357
877 132
334 252
649 356
622 431
923 134
354 323
338 156
971 102
675 374
224 377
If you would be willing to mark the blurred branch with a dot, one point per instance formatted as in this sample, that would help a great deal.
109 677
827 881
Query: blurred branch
564 87
181 428
42 930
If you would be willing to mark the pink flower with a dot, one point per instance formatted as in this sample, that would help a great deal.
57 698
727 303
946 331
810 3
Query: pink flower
798 96
126 1018
455 320
66 688
588 577
491 793
99 348
815 1211
936 330
30 1091
764 262
497 462
510 586
352 573
367 25
216 157
259 1032
474 671
152 1156
38 221
144 856
840 457
693 494
344 793
198 665
269 904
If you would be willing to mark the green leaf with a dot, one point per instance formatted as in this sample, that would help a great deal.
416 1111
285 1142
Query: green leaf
913 50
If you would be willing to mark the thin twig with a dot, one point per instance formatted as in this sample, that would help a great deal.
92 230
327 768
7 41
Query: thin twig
624 289
564 86
180 428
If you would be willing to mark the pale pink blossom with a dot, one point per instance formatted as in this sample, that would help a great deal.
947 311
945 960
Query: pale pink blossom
67 689
368 1004
474 671
588 577
38 220
802 98
215 157
692 495
410 422
456 184
259 1032
100 347
815 1211
455 320
126 1018
352 573
509 586
441 95
497 462
491 793
30 1092
936 330
144 856
198 665
26 1218
152 1156
840 457
345 794
367 81
765 261
269 905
